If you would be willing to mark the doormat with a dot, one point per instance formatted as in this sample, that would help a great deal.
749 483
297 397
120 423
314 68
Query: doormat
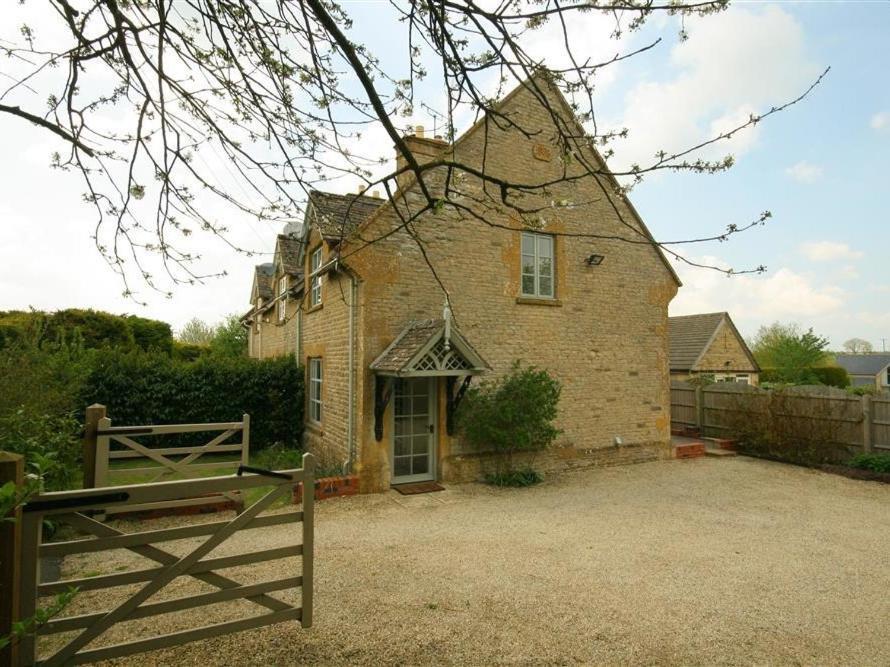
418 487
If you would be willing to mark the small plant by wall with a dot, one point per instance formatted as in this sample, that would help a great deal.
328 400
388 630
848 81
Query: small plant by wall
511 418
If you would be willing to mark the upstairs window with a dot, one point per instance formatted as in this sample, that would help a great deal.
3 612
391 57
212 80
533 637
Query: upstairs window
315 278
282 298
315 390
537 265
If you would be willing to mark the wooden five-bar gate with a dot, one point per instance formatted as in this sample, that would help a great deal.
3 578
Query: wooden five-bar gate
105 444
78 509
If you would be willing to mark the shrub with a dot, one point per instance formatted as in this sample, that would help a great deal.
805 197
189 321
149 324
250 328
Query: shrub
139 388
49 443
833 376
874 462
515 478
42 378
510 415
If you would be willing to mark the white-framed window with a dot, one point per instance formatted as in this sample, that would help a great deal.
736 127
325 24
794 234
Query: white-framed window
315 278
282 298
741 378
315 389
537 265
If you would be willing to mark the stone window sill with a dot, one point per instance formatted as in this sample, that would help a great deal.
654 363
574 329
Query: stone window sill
317 306
537 301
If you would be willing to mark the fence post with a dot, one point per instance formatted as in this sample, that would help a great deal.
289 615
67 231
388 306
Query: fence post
245 440
12 469
308 539
866 424
90 425
700 410
102 449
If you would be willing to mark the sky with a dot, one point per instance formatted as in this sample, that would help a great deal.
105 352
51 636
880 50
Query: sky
820 168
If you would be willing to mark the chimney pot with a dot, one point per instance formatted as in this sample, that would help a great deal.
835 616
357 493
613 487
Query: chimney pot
418 131
376 194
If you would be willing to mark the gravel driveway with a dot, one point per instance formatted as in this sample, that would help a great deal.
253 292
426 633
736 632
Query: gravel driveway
730 561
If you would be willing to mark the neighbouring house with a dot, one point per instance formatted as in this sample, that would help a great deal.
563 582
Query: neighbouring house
867 369
708 345
273 320
387 363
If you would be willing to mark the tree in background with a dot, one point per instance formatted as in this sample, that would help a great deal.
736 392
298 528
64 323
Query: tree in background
196 332
858 346
146 96
790 353
227 338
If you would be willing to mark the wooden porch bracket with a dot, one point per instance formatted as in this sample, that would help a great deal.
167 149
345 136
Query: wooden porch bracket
382 394
454 399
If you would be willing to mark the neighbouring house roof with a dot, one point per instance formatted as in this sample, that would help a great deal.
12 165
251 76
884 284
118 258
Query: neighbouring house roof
420 349
289 254
263 274
863 364
339 215
690 336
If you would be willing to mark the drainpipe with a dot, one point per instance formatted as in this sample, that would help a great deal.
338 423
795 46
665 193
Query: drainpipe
350 421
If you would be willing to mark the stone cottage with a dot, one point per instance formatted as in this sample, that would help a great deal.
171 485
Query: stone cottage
386 362
708 345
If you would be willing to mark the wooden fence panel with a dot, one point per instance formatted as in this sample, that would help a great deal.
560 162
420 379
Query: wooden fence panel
880 420
75 508
813 413
683 405
726 405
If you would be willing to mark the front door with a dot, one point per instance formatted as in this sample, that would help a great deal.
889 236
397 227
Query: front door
414 431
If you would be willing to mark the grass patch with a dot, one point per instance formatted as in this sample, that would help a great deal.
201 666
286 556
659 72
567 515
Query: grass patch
515 478
873 462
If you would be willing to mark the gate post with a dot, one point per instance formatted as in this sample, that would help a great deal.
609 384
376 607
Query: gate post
308 539
12 469
90 426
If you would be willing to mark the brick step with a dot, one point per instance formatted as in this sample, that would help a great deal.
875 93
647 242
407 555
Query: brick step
719 451
689 450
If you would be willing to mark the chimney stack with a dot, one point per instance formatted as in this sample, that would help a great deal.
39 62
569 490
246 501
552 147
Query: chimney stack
423 148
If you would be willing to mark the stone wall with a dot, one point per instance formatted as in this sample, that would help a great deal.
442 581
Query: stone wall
725 354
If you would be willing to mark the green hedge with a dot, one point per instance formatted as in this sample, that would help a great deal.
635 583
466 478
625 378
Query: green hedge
92 329
833 376
139 388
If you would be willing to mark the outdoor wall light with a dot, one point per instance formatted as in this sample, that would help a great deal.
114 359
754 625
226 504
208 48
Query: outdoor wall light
595 260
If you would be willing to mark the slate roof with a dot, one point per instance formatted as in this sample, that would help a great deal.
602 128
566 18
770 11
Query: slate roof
863 364
339 215
688 336
264 273
408 343
289 249
395 358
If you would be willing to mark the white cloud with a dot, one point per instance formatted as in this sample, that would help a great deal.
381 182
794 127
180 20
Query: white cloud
880 121
784 294
804 172
717 85
826 251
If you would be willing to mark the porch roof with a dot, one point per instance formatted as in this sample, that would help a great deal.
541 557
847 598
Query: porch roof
421 349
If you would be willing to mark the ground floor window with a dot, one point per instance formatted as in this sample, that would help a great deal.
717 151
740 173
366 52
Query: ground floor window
742 378
315 379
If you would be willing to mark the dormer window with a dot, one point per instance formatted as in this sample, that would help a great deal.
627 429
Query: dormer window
537 265
315 277
282 298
